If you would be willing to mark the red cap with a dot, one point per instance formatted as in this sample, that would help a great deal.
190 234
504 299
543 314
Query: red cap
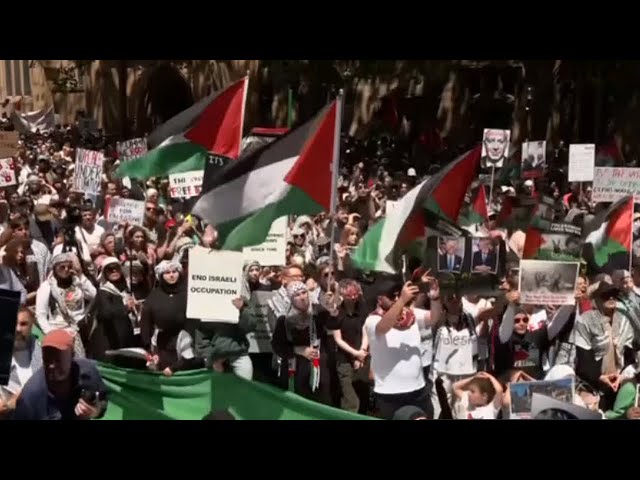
58 339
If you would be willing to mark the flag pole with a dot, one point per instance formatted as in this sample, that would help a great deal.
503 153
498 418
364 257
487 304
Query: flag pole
335 167
289 107
493 173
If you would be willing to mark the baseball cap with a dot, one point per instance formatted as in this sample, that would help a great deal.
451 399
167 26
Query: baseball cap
412 172
58 339
528 183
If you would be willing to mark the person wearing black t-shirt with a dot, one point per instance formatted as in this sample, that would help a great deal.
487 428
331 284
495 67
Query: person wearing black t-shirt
520 348
352 356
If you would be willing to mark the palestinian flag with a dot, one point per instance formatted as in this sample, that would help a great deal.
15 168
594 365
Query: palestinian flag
291 176
435 202
608 242
477 212
183 143
552 241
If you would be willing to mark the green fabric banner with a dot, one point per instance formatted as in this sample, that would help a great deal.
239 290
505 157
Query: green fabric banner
139 395
142 395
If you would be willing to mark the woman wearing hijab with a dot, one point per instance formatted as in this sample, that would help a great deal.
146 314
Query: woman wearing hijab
301 334
114 308
64 300
165 331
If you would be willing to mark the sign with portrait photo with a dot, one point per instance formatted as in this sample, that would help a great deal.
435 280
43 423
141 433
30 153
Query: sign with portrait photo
467 264
534 159
495 147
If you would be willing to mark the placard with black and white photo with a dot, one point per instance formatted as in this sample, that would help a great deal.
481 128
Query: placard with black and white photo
495 147
534 159
548 283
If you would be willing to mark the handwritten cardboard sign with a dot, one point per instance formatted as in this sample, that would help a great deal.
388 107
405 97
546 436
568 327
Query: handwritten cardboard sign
9 144
611 184
185 185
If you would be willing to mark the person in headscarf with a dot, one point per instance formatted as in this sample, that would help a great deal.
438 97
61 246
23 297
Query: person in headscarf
165 331
604 343
64 300
251 280
114 307
301 334
301 244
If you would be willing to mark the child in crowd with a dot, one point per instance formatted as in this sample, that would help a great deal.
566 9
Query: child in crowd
478 397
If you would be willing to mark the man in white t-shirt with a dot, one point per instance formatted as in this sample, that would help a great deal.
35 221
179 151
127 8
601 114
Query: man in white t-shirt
27 358
394 342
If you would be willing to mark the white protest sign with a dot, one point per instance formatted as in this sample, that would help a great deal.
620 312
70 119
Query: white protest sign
611 184
125 210
273 251
7 174
87 176
215 279
185 185
582 159
260 340
131 149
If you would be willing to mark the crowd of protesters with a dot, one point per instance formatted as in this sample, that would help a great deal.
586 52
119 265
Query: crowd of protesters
366 342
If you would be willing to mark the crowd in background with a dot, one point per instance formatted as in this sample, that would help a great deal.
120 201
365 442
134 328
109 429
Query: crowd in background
362 341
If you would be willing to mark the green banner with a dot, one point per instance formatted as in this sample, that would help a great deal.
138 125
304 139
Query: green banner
145 395
139 395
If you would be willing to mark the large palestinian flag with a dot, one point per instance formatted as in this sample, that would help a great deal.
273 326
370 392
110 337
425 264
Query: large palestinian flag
184 142
436 201
291 176
608 238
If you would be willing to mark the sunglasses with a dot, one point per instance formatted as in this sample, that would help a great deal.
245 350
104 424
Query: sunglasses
327 274
63 267
520 320
111 268
299 236
151 209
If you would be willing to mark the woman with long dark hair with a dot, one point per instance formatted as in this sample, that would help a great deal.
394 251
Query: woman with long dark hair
37 251
15 257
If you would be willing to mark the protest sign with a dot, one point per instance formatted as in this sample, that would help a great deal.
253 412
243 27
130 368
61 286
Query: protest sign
272 252
215 279
611 184
87 176
548 283
260 340
185 185
552 241
7 174
495 147
522 394
582 158
467 264
131 149
125 210
534 159
8 144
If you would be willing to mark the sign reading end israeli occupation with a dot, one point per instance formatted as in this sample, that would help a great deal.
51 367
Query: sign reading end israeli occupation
215 279
272 252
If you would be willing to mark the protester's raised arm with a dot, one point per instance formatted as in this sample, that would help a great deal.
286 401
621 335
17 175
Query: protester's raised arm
506 327
559 320
389 319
